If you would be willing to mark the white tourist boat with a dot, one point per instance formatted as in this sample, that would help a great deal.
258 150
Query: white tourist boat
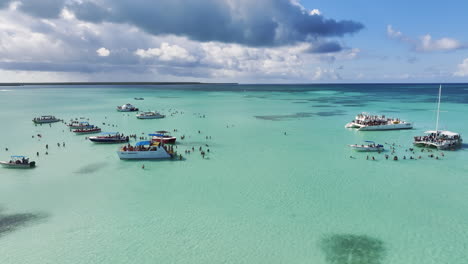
46 119
18 162
127 108
368 122
145 150
150 115
369 147
440 139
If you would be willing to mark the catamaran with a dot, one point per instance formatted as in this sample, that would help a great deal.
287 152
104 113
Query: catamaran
46 119
368 122
440 139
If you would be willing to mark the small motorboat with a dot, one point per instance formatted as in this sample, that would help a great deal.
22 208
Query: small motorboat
77 124
46 119
369 147
139 98
150 115
127 108
163 137
89 130
18 162
109 138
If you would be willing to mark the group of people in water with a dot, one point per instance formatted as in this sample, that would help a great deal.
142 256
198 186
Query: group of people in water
410 157
371 120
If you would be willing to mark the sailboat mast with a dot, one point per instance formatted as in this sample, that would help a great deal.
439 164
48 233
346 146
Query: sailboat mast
438 110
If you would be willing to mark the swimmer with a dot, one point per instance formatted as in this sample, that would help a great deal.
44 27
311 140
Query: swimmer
47 146
143 166
395 158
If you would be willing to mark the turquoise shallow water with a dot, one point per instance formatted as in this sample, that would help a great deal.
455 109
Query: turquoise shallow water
259 197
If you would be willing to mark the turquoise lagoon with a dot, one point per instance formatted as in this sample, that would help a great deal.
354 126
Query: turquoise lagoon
259 196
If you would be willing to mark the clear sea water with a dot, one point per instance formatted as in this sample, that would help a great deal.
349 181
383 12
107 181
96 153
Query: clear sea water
259 196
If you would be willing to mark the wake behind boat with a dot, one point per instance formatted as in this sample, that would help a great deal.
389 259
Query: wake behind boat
18 162
368 147
46 119
439 139
368 122
145 150
109 138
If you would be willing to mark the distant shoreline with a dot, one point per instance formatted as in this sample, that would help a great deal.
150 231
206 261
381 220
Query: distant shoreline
112 83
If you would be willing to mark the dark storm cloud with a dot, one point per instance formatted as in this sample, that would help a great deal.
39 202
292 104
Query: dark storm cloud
42 8
250 23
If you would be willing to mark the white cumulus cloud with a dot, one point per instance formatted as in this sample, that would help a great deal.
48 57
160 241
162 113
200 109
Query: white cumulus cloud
103 52
426 43
462 69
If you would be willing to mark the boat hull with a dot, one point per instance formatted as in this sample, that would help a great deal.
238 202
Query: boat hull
161 153
46 121
108 140
128 110
6 164
428 144
150 117
367 149
171 140
386 127
87 132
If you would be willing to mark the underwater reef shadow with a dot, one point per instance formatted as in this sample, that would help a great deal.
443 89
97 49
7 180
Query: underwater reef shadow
12 222
352 249
91 167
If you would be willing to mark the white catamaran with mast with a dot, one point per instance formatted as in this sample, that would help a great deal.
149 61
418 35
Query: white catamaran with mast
440 139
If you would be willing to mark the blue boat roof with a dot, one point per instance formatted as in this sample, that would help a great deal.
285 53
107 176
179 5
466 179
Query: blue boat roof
368 141
84 122
156 135
142 143
18 156
109 133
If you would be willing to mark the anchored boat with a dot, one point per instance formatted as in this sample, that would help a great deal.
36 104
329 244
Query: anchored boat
127 108
440 139
145 150
369 147
18 162
163 137
368 122
46 119
89 130
109 138
77 124
150 115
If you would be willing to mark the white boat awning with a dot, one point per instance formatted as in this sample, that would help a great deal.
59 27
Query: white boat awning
442 132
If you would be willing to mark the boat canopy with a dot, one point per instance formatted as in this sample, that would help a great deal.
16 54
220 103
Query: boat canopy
18 157
162 132
156 135
368 141
142 143
108 133
442 132
84 122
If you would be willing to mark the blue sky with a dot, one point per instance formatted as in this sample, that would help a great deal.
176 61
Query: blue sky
263 41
